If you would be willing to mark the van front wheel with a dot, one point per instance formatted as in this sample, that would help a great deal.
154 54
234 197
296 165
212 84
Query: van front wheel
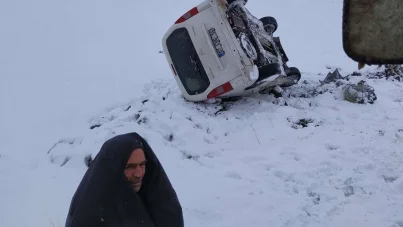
269 24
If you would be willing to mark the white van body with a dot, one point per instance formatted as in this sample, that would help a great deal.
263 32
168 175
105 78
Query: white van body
207 59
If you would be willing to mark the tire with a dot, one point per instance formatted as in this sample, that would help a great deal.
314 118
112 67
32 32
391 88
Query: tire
269 24
294 74
292 71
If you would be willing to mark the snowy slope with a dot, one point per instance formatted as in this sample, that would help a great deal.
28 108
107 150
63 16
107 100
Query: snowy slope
67 67
249 164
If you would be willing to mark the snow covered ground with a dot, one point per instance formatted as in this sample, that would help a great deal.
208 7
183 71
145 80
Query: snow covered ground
76 73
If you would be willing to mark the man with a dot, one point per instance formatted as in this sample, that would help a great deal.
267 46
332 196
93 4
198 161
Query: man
125 186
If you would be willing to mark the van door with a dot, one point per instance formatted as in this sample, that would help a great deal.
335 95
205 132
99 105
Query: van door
187 62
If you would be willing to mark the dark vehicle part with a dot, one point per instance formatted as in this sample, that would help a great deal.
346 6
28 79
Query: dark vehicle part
241 24
265 72
280 48
231 1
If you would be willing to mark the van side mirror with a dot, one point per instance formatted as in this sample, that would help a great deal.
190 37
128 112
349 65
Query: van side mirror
373 31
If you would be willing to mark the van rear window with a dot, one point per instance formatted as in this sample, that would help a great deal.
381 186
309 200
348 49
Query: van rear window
187 62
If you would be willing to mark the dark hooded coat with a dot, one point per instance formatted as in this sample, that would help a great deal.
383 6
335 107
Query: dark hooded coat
104 197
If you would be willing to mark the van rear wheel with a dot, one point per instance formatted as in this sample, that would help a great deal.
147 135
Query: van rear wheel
293 76
292 71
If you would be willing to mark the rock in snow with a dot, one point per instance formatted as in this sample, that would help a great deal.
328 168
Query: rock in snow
360 93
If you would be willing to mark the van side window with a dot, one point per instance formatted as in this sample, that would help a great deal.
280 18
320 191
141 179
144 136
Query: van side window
187 62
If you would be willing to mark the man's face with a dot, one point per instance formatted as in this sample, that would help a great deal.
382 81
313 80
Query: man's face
135 169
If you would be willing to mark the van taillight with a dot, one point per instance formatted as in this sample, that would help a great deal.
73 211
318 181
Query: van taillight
187 15
227 87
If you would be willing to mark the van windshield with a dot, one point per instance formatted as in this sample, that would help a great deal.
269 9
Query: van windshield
187 62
